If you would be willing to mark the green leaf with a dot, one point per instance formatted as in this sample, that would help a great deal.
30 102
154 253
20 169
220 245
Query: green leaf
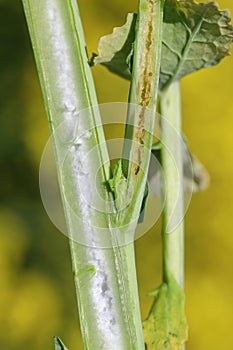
118 185
115 50
58 344
143 206
195 176
166 326
197 180
195 35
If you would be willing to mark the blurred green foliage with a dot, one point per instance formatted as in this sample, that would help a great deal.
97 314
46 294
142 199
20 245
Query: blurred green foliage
37 298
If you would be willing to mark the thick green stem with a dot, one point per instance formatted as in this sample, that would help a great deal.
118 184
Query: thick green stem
103 288
173 226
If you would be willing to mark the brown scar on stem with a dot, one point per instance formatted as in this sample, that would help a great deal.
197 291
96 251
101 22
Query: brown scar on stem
145 89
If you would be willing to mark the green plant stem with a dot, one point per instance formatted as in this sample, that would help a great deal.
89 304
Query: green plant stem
140 123
106 305
173 226
142 99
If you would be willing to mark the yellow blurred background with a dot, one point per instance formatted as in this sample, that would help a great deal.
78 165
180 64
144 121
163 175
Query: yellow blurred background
37 298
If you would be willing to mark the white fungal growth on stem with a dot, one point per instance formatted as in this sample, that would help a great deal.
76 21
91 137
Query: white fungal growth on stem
63 70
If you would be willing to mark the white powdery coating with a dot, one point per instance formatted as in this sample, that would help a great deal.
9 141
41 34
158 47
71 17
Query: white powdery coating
60 53
100 290
99 287
103 298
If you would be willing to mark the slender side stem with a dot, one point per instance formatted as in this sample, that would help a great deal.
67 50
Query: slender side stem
173 226
102 286
140 127
142 99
